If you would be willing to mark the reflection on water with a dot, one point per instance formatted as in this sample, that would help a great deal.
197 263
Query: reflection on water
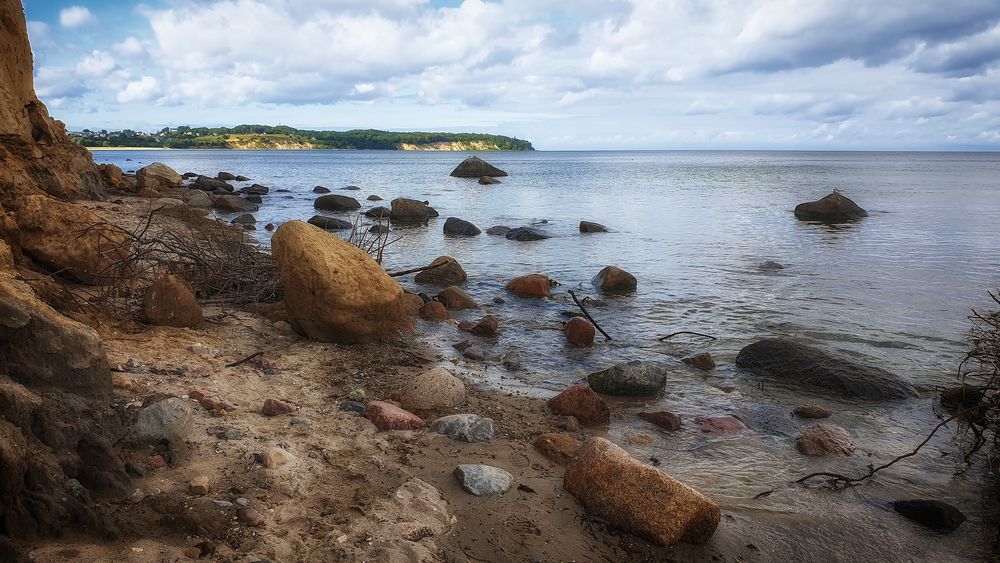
892 290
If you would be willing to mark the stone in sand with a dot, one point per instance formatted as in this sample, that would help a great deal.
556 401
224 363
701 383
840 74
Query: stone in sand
275 457
834 208
531 285
635 378
560 447
456 227
169 419
702 361
408 211
526 234
434 389
334 291
475 167
817 370
648 503
464 427
456 298
446 271
487 327
579 332
823 440
199 486
591 227
336 202
613 279
931 513
483 480
171 302
387 416
664 419
276 407
583 403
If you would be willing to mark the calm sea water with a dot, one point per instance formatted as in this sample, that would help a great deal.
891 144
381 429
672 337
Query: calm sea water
893 290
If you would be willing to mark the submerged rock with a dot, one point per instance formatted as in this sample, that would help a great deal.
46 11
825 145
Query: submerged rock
434 311
614 279
464 427
531 285
648 503
321 190
579 332
498 230
456 227
823 440
487 327
374 197
456 298
475 167
526 234
336 202
483 480
171 302
818 370
635 378
720 424
330 223
931 513
664 419
487 181
834 208
409 211
701 361
590 227
380 212
811 411
770 265
583 403
446 271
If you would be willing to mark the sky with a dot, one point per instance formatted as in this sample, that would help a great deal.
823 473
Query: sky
564 74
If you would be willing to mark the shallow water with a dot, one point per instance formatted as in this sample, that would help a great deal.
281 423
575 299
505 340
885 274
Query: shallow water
893 289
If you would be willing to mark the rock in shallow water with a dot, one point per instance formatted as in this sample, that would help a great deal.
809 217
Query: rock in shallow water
635 378
817 370
720 424
579 332
931 513
648 503
456 227
526 234
703 361
475 167
531 285
811 411
483 480
612 279
464 427
583 403
834 208
446 271
822 440
664 419
591 227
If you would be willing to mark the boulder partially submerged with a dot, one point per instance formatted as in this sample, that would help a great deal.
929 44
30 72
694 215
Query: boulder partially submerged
330 223
648 503
475 167
456 227
818 370
526 234
445 270
409 211
834 208
635 378
334 291
336 202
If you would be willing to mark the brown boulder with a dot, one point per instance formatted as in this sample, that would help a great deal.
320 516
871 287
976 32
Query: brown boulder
71 240
720 424
579 332
456 298
233 203
157 177
664 419
171 302
434 389
409 211
531 285
560 447
276 407
582 402
825 440
387 416
648 503
487 327
10 234
334 291
812 411
114 178
449 272
433 311
701 361
614 279
475 167
834 208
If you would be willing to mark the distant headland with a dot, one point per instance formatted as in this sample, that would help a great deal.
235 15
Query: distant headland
281 137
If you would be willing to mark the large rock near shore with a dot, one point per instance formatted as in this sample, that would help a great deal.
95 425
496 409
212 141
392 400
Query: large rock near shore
819 371
612 279
446 271
648 503
171 302
157 176
71 239
336 202
330 223
408 211
455 298
834 208
475 167
456 227
633 378
208 184
334 291
582 402
531 285
434 389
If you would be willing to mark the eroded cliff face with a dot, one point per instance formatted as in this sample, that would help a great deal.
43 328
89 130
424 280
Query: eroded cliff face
36 155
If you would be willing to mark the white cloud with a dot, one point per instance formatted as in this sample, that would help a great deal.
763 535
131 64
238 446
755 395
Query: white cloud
130 48
146 89
96 65
54 83
76 16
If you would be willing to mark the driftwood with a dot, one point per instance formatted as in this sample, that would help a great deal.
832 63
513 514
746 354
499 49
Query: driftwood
415 270
673 334
589 318
245 360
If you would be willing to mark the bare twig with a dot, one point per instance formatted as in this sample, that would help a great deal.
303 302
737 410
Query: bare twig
245 360
415 270
673 334
589 318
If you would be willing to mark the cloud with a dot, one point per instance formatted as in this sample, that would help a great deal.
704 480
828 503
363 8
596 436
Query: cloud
97 64
146 89
130 48
58 84
76 16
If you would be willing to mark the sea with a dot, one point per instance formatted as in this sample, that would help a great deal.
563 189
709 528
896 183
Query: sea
892 290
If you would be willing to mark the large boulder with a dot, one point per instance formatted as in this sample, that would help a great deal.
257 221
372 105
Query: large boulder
456 227
334 291
71 239
635 378
456 298
171 302
208 184
834 208
446 271
197 199
336 202
157 176
434 389
526 234
612 279
409 211
233 203
531 285
114 178
648 503
817 370
475 167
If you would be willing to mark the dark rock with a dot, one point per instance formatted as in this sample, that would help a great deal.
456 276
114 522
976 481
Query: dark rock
770 265
241 178
483 480
525 234
613 279
330 223
488 181
225 176
834 208
379 229
450 273
456 227
233 203
321 190
353 406
582 402
664 419
374 197
589 227
475 167
931 513
409 211
379 212
431 212
818 370
255 189
336 202
635 378
210 184
244 219
961 397
464 427
269 227
254 198
498 230
351 188
701 361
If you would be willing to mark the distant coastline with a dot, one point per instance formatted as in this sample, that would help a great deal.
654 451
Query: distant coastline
267 137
